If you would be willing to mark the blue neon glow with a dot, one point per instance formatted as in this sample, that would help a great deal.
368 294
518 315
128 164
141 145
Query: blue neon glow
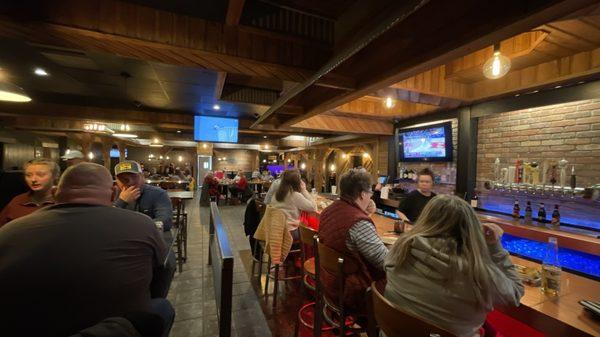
215 129
588 222
570 259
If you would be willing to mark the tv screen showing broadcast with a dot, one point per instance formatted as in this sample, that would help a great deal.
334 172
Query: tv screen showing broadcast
215 129
429 143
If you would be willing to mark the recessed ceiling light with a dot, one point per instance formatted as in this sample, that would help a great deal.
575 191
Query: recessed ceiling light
40 71
217 107
265 137
178 131
558 87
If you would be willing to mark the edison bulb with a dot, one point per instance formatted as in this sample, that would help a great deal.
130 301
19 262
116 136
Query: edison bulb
497 66
389 102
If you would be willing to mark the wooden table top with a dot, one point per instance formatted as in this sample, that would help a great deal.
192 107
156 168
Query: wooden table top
564 308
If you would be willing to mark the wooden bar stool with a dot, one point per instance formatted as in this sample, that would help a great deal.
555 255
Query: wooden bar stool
180 234
334 312
393 321
308 264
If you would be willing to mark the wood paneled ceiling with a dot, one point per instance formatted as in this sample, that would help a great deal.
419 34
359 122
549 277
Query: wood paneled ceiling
283 67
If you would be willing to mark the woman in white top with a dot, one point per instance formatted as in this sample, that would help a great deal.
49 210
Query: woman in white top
292 197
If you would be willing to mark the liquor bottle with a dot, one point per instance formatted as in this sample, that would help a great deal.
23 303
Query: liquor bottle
474 201
528 213
516 209
555 217
542 213
573 179
551 269
519 171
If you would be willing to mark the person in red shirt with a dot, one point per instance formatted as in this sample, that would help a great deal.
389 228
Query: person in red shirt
240 184
40 175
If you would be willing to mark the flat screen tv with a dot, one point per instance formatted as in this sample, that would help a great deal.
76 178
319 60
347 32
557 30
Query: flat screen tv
427 143
215 129
114 153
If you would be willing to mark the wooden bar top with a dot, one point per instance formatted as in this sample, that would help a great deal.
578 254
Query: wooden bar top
537 310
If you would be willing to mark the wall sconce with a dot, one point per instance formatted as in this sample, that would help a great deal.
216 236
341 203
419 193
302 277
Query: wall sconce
303 166
344 155
332 168
366 155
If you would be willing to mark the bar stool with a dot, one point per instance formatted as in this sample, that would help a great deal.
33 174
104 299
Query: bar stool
305 310
308 264
180 225
394 321
339 265
275 268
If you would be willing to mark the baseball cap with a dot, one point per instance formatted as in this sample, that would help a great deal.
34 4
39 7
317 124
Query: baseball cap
128 166
72 154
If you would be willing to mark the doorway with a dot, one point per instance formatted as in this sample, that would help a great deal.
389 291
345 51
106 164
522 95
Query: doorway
204 165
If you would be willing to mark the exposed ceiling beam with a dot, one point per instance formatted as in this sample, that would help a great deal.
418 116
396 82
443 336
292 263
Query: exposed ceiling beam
347 125
234 12
221 77
477 26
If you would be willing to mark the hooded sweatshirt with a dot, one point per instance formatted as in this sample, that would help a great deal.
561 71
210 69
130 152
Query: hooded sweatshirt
432 286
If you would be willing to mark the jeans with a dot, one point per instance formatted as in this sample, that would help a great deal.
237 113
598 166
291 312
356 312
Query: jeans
165 310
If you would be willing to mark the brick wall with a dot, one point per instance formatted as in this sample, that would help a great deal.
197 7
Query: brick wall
570 131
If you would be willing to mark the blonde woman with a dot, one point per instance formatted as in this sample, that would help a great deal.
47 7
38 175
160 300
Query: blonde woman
450 269
40 175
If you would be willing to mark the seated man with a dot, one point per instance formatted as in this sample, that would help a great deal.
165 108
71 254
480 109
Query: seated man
346 227
88 261
137 196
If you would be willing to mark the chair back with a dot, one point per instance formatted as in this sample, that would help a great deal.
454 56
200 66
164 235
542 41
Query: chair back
178 208
336 263
393 321
307 235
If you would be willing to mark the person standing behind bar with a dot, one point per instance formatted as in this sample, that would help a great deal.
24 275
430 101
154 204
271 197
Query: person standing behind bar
40 175
410 208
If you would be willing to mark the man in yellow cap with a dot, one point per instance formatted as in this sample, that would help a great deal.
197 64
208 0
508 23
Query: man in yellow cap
138 196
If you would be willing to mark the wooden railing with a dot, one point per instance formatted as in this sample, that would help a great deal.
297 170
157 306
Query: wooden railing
221 260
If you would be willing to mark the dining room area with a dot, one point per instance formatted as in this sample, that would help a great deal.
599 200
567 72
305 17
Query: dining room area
300 168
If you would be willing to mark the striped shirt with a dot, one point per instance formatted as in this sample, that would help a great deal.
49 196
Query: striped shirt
363 238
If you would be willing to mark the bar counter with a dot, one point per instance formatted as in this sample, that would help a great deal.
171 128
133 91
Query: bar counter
553 316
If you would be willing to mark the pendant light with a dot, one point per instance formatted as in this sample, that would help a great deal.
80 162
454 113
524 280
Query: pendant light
12 93
497 66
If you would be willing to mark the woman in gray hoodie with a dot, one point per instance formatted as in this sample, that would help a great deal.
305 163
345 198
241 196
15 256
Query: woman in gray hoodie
450 269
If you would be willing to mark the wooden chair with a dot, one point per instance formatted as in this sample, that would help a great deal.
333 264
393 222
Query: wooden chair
393 321
308 265
339 265
309 237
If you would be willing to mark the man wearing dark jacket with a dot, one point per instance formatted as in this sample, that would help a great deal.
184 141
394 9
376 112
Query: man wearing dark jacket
70 265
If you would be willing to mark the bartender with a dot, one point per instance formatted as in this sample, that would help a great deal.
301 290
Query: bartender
410 208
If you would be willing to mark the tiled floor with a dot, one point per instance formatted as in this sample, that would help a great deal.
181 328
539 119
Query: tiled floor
192 291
